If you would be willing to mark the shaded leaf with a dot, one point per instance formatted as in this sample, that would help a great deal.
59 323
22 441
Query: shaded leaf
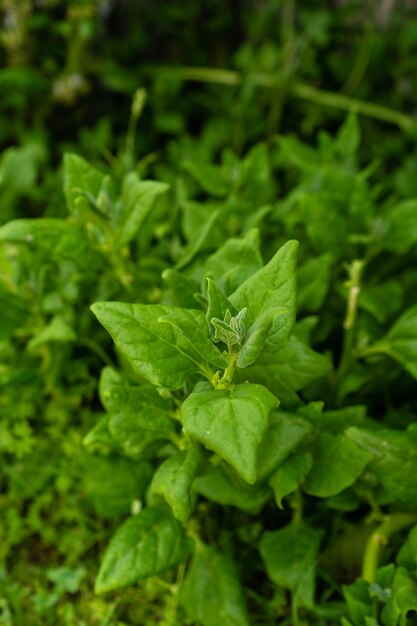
138 198
235 261
394 459
314 282
400 343
285 432
289 475
144 545
227 488
337 464
290 370
290 557
80 178
173 479
211 593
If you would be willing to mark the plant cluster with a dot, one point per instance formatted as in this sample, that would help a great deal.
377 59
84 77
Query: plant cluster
254 461
208 322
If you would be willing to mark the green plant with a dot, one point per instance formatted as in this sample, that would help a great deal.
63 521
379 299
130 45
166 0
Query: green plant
265 455
263 464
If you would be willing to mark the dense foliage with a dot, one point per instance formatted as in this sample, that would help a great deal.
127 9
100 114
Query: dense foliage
208 318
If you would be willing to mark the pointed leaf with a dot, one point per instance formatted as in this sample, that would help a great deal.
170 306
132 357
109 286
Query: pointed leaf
194 330
218 304
173 480
211 593
144 545
235 261
155 350
402 603
337 464
314 282
401 228
231 422
290 370
394 459
210 177
400 343
290 475
290 556
285 432
138 415
382 300
80 178
181 290
139 198
270 297
229 489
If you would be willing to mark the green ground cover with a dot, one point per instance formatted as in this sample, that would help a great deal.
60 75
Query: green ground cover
208 314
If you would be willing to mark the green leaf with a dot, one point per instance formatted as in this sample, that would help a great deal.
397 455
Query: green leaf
144 545
19 167
401 227
180 290
138 415
13 311
231 422
285 432
270 297
290 370
157 351
256 184
209 177
138 198
348 138
113 483
290 475
290 557
383 300
358 601
234 262
394 459
407 555
400 343
218 304
314 282
224 486
402 602
211 593
194 217
192 325
80 178
199 242
50 235
173 480
99 439
336 421
337 464
296 153
56 331
134 430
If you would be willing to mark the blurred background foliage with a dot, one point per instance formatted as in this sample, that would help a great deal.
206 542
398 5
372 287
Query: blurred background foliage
69 71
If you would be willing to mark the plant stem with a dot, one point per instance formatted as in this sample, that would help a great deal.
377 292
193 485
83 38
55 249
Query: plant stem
379 538
138 103
298 90
354 284
297 506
